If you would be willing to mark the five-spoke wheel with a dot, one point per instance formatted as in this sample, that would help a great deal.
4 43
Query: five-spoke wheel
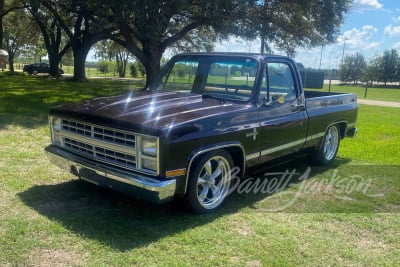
209 181
329 147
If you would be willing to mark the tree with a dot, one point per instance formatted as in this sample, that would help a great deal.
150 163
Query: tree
290 24
84 22
388 64
51 31
5 8
19 33
109 50
371 71
352 68
148 28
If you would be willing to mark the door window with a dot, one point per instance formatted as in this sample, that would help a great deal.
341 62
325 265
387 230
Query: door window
278 84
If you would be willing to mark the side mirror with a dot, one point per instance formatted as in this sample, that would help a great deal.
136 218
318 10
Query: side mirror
280 99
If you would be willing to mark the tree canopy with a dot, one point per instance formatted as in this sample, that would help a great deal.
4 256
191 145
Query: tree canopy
147 28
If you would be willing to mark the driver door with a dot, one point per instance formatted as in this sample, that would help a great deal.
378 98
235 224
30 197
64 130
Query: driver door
283 119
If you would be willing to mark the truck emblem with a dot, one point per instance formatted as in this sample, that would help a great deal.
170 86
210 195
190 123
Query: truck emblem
253 134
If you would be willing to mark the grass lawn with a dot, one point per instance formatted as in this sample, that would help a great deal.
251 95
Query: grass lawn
383 94
346 215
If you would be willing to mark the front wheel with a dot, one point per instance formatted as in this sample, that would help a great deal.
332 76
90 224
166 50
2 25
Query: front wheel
209 181
329 147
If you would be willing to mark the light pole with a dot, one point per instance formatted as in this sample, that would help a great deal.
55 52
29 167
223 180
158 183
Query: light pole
320 58
344 45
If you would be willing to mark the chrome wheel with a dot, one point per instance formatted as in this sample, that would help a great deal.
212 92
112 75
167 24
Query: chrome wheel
209 181
325 154
213 182
331 143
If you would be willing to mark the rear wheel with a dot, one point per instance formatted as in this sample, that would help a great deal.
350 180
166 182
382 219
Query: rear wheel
209 181
35 72
327 152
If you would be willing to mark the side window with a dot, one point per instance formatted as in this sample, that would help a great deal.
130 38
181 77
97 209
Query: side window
278 83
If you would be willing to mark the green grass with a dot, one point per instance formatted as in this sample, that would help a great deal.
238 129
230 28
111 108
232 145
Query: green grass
49 218
382 94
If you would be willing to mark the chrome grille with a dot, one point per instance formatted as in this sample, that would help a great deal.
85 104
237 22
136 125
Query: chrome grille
100 133
112 146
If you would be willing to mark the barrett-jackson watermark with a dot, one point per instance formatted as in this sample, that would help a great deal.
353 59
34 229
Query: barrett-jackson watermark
336 185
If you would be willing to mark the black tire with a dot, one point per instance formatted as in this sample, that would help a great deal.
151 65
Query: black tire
209 181
329 147
35 72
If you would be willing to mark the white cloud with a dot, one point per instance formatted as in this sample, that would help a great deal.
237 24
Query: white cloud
396 46
359 39
362 5
392 31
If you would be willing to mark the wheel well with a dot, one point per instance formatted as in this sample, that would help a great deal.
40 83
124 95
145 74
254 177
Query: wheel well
342 128
236 152
237 156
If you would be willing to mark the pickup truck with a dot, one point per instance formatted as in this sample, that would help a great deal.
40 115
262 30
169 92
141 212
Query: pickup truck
206 114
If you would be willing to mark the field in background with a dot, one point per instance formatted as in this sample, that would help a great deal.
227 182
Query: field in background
373 93
347 214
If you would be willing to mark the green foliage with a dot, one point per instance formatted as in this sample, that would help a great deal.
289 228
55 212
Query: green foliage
310 23
19 34
105 67
353 68
383 68
133 71
187 25
389 64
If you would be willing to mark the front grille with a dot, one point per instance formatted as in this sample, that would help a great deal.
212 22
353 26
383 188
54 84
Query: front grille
100 133
104 144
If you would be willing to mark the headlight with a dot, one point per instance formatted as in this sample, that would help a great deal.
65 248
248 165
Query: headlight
55 123
55 127
149 164
149 146
148 153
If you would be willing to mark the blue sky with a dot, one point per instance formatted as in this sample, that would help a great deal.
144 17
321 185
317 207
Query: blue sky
371 27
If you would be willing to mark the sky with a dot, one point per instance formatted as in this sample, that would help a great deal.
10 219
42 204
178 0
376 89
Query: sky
370 27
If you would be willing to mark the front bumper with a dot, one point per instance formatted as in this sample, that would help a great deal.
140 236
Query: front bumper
135 184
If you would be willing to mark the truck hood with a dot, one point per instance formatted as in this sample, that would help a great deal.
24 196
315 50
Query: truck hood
147 110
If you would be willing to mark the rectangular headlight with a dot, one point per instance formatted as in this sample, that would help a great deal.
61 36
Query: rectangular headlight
55 127
149 164
149 146
55 123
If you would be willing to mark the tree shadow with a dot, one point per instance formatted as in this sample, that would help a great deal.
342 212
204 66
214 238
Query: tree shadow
124 223
25 101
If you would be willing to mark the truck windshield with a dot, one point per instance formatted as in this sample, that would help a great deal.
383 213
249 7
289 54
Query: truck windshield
224 78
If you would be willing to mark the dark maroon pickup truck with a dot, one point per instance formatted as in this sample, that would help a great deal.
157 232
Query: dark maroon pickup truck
206 114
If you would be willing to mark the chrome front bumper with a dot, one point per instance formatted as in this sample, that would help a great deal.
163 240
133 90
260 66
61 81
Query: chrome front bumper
135 184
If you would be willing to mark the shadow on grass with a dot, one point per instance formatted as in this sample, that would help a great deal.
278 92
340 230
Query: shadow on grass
124 223
26 100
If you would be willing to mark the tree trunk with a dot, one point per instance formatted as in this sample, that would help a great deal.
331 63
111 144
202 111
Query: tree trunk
152 66
54 61
80 53
1 22
11 62
1 32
